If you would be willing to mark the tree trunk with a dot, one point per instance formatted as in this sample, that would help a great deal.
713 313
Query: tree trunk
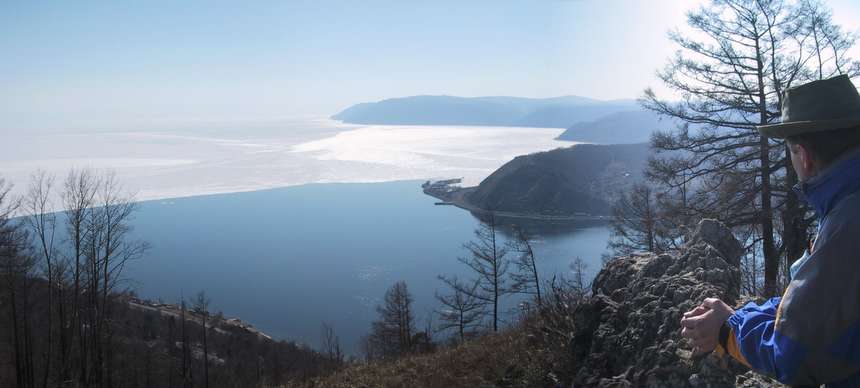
794 223
50 325
64 332
771 256
205 354
495 279
536 277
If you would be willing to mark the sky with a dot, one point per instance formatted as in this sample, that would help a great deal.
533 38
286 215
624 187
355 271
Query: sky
135 65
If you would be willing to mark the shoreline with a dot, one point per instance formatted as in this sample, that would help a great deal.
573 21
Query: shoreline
457 196
269 188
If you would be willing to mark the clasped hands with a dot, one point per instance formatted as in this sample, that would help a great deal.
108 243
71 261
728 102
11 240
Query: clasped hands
702 324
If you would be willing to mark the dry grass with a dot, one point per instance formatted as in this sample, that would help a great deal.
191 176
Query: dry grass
533 353
498 360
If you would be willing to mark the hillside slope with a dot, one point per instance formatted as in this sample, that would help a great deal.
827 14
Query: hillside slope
625 333
627 127
152 345
496 360
563 182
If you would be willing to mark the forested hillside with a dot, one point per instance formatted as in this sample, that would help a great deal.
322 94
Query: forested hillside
582 179
68 319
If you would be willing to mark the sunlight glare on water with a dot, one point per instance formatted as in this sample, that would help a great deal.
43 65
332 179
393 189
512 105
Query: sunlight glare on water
416 152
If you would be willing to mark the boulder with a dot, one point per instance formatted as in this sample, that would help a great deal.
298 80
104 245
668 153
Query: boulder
627 333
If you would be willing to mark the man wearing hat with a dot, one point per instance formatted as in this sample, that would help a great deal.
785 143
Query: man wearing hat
811 335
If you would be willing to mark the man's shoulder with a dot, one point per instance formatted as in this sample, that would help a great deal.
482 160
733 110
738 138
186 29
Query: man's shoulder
831 273
845 215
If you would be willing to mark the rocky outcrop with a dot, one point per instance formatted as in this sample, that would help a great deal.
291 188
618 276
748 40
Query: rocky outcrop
628 330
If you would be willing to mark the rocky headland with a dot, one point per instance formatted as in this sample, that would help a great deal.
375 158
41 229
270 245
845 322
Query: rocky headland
574 183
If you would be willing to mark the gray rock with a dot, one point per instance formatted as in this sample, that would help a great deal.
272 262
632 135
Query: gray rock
628 331
716 234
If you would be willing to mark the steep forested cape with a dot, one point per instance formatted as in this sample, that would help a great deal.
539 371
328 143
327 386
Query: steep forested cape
580 179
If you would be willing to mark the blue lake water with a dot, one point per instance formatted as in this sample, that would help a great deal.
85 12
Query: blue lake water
288 259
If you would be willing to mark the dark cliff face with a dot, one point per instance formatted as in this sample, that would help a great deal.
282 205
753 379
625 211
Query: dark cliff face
628 331
579 179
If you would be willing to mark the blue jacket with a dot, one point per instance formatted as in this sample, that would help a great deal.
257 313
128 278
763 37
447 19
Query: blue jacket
811 335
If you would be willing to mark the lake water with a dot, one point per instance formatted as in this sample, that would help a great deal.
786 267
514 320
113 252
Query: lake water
288 259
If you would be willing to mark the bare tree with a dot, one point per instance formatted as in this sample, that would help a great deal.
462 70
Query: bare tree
201 307
461 310
107 248
187 376
392 333
78 197
489 261
429 330
43 224
634 223
16 269
826 41
368 346
526 278
730 73
331 344
578 280
647 221
64 325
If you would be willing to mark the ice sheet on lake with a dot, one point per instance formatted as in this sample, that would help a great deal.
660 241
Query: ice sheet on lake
420 152
165 164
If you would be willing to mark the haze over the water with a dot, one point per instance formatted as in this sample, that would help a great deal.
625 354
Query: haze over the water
167 64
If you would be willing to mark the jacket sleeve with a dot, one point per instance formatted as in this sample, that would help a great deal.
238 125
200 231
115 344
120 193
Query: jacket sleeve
754 341
811 335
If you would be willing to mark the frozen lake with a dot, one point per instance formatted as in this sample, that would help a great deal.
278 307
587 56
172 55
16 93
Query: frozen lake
186 162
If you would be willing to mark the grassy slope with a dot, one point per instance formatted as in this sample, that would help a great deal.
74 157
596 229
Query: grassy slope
497 360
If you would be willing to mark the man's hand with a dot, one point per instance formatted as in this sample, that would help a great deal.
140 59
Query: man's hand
702 324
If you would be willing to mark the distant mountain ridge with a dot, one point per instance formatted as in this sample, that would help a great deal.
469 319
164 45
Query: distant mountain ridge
626 127
555 112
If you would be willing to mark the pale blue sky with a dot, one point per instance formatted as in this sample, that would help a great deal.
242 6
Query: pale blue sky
135 65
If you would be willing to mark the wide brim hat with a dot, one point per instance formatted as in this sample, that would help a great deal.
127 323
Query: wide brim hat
817 106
